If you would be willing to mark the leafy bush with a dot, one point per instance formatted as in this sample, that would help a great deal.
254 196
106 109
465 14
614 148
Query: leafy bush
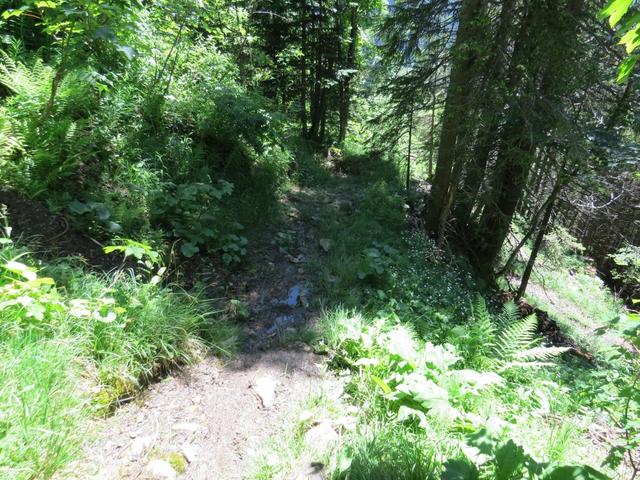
626 269
562 249
508 461
421 389
193 214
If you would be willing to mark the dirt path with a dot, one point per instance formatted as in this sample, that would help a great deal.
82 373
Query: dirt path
208 421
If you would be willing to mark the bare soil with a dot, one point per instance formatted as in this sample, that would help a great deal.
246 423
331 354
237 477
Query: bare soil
211 414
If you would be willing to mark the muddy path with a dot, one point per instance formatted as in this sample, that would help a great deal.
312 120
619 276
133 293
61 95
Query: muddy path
210 420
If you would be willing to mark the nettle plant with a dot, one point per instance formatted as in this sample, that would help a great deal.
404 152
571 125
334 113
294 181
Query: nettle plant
194 215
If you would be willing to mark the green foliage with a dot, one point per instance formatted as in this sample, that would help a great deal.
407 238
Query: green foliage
622 398
95 214
505 341
626 269
562 249
376 262
618 11
416 380
193 214
387 452
508 461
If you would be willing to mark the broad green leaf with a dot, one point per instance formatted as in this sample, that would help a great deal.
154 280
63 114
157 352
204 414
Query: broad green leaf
21 269
79 207
459 470
575 473
509 461
625 69
615 10
189 249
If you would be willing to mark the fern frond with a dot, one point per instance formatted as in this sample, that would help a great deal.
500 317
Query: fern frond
540 354
508 365
509 315
518 337
483 325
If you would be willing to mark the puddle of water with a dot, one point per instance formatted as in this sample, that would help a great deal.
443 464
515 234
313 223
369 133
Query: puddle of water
292 299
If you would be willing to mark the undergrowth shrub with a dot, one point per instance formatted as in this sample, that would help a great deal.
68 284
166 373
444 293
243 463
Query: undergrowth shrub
503 341
191 212
626 270
562 249
52 146
131 139
456 408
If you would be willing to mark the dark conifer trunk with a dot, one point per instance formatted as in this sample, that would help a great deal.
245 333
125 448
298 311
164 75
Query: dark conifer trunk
453 134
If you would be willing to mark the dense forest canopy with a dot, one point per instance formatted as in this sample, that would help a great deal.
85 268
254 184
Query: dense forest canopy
168 167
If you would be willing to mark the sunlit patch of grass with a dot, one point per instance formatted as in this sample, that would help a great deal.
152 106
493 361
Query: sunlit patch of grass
287 451
41 408
386 451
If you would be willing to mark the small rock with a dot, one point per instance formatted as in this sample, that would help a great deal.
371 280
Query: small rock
321 437
185 427
326 244
265 388
139 445
160 470
306 415
188 452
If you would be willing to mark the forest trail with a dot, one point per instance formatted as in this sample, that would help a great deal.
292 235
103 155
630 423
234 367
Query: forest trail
209 421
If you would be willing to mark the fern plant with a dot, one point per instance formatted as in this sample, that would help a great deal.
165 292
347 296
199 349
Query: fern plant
38 150
505 341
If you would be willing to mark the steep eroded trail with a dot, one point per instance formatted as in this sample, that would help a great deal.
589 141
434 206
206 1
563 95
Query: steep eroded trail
209 421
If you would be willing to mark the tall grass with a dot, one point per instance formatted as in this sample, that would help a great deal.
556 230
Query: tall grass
77 348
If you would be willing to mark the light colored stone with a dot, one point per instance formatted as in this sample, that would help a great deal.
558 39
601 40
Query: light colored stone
265 388
140 445
321 437
326 244
188 452
160 470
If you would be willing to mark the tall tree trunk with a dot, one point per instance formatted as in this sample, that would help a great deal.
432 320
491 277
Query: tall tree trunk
547 23
409 151
303 69
542 230
490 115
318 87
452 136
345 93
